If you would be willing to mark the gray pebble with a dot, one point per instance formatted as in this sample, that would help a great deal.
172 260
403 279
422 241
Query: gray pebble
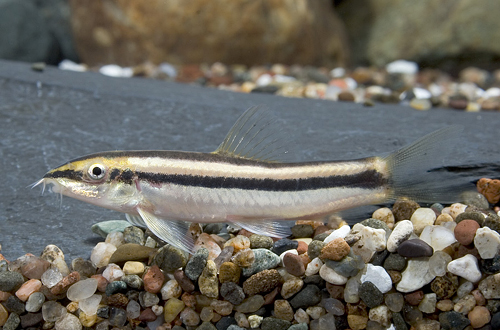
234 327
170 258
272 323
34 302
299 326
10 281
264 259
83 267
314 249
134 235
232 292
321 237
349 266
370 294
395 262
213 228
308 296
375 223
12 323
117 316
283 245
473 198
260 242
206 326
14 305
302 231
196 264
133 281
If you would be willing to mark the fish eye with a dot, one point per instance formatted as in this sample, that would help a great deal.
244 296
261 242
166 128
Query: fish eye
96 171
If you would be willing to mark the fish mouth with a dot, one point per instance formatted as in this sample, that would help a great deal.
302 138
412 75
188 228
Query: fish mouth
55 186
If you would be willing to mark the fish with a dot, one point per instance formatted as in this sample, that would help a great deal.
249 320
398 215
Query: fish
248 181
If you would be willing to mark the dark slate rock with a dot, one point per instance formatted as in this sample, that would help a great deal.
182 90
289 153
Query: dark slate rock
14 305
453 321
415 248
349 266
308 296
195 265
495 321
399 322
272 323
395 262
225 322
115 287
314 249
379 258
103 312
213 228
31 319
169 113
302 231
283 245
232 292
370 294
12 323
490 266
268 89
10 281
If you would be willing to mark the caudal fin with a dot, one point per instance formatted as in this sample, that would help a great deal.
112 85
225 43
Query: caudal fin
410 169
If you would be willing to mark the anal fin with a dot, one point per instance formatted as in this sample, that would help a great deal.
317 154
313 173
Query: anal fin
272 228
171 231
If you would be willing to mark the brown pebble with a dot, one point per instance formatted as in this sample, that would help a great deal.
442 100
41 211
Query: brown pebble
293 264
479 316
229 272
335 291
131 252
118 299
153 279
35 268
147 315
302 247
490 189
395 276
465 231
466 249
262 282
189 300
283 310
414 298
480 300
65 283
271 296
4 295
245 232
346 96
458 101
320 230
102 282
184 281
335 250
403 209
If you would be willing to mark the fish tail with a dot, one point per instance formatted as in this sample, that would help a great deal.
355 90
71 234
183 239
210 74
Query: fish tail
415 170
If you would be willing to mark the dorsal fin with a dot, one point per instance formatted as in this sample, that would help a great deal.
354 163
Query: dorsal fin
256 135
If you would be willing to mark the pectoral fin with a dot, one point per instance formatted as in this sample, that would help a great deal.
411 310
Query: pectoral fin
272 228
171 231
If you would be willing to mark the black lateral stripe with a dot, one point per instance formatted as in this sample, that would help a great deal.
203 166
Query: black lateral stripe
68 174
370 179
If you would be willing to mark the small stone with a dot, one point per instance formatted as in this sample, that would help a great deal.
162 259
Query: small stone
283 310
271 323
394 301
240 242
30 266
260 242
153 279
170 258
414 298
421 218
34 302
331 276
112 273
302 231
262 282
255 321
223 308
134 235
490 189
357 322
415 276
335 249
308 296
443 218
208 281
133 309
171 289
65 283
195 265
370 294
84 267
314 249
51 277
264 259
224 256
206 314
82 289
403 209
384 214
133 268
377 276
372 240
68 322
487 242
148 299
115 238
90 305
206 241
250 305
395 262
438 237
28 288
351 291
172 308
313 267
10 281
315 312
103 228
244 258
185 283
466 267
147 315
471 215
445 305
479 316
414 248
117 316
101 254
232 292
380 314
29 320
438 263
445 286
52 311
490 287
465 304
401 233
465 231
293 264
133 281
338 233
131 252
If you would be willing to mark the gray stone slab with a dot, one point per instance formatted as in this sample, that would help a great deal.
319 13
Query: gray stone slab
50 117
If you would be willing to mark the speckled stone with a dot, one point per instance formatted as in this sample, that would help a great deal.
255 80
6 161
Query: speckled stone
232 292
302 231
10 281
208 281
170 258
291 286
445 286
395 262
134 235
229 272
403 209
370 295
473 198
260 242
272 323
262 282
470 215
453 321
415 248
195 265
283 310
308 296
264 259
490 266
283 245
376 223
335 249
315 248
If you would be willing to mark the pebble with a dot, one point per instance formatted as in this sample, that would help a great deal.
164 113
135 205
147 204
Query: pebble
487 242
82 266
65 283
206 241
101 254
90 305
421 218
133 268
466 267
34 302
153 279
415 276
291 286
293 264
335 249
260 242
208 281
395 262
264 259
104 228
82 289
394 301
465 231
403 209
131 252
372 240
283 245
377 276
27 288
113 272
283 310
250 305
338 233
232 292
331 276
479 316
490 189
10 281
172 308
385 214
229 272
170 258
239 242
438 237
401 233
262 282
370 294
184 282
314 249
244 258
171 289
414 248
52 311
445 286
196 264
438 263
308 296
255 321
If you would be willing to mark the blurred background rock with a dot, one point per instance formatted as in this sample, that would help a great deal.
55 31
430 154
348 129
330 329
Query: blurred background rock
449 34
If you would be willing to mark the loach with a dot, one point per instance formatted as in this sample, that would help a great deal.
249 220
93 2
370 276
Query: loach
246 182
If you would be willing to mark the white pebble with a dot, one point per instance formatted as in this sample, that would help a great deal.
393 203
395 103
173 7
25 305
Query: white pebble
72 66
384 214
401 233
82 289
331 276
402 66
315 312
301 316
68 322
421 218
438 263
415 276
341 232
438 237
454 209
133 309
466 267
380 314
313 267
378 276
351 290
372 240
115 238
51 277
101 254
171 289
487 242
255 321
113 70
112 273
428 303
90 305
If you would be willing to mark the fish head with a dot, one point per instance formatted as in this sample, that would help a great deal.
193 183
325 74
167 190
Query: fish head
101 181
